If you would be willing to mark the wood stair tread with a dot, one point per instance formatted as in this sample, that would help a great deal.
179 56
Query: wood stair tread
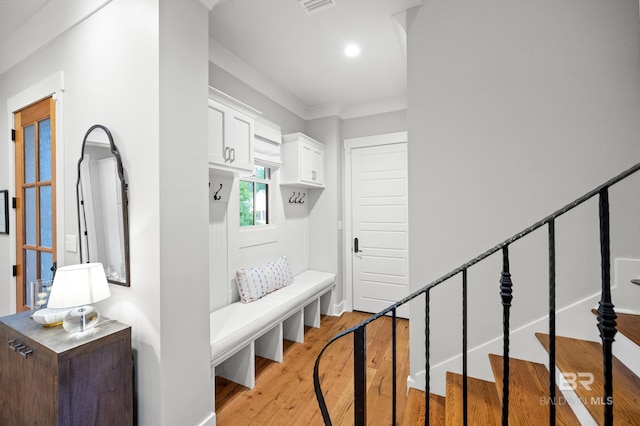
414 413
528 387
437 410
575 356
627 324
483 402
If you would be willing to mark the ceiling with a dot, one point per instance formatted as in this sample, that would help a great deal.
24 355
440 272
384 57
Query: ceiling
302 54
294 57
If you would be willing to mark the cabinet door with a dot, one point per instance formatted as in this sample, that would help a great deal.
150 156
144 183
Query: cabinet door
317 171
27 385
306 163
216 133
241 142
311 164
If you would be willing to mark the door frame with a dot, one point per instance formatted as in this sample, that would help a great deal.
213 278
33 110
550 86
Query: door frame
51 86
350 144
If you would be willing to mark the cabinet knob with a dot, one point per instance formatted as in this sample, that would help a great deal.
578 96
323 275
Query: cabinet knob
232 156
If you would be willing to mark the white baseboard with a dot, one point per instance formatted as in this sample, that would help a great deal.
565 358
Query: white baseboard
210 420
338 309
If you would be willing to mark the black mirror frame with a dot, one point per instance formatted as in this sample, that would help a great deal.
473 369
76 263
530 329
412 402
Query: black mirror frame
125 201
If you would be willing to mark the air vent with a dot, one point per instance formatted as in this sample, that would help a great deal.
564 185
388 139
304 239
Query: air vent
313 6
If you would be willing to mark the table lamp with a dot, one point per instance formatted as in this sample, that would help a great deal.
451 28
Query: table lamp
77 287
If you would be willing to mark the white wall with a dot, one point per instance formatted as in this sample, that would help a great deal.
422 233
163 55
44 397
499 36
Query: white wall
378 124
325 207
515 109
140 68
187 391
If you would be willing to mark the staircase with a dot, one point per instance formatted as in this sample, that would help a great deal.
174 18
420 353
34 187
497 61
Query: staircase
580 363
588 385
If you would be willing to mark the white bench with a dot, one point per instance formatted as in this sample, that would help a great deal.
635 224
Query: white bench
241 331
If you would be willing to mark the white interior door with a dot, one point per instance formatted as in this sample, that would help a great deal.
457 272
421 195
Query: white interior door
379 227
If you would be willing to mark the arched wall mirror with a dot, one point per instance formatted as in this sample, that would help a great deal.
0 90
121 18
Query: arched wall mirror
103 219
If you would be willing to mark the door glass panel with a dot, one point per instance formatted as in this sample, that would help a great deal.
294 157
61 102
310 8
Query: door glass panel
31 271
46 263
46 221
30 216
44 149
29 155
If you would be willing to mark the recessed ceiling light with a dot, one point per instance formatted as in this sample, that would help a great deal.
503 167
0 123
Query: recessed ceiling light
352 50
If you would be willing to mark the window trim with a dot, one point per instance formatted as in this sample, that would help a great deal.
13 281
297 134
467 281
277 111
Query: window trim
270 187
255 235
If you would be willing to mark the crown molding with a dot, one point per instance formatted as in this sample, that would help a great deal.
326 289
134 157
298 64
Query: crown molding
244 72
346 112
209 3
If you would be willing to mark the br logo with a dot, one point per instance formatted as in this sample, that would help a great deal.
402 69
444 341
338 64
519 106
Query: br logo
573 381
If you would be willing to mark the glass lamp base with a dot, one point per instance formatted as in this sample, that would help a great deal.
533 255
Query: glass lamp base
81 318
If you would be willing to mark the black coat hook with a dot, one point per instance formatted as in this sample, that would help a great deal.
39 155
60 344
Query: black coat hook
296 198
216 196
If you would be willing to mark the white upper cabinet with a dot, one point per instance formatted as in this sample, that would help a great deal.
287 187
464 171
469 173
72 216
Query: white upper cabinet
303 161
231 133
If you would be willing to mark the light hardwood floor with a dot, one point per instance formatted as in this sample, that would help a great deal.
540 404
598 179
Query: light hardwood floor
284 391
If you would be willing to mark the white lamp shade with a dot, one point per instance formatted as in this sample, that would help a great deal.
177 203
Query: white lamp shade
78 285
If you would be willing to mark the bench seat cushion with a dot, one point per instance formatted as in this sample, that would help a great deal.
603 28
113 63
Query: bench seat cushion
234 326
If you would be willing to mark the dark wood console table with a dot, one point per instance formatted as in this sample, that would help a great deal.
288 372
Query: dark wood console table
50 377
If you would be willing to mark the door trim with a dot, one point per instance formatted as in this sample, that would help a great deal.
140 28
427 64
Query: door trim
51 86
349 144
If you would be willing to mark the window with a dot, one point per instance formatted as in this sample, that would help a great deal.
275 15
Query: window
254 197
35 189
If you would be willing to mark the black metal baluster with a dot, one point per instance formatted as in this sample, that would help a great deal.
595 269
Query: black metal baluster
606 314
552 323
506 295
360 376
427 378
464 349
318 390
394 368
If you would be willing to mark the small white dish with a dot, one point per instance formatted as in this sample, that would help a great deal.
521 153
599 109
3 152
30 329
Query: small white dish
50 316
